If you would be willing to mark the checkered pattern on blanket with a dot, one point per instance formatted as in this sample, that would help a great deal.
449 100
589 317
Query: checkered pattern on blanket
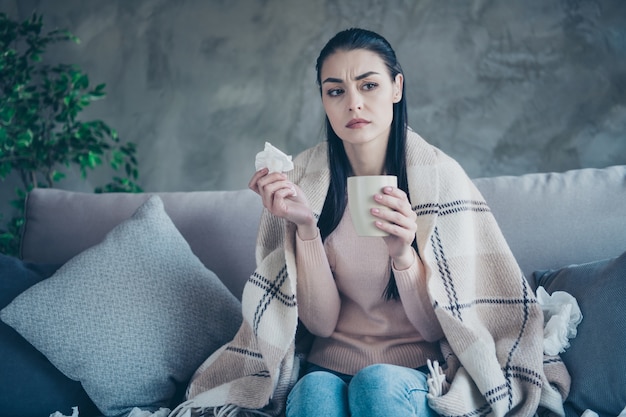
489 315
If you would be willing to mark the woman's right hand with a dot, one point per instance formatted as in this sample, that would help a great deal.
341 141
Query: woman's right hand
282 198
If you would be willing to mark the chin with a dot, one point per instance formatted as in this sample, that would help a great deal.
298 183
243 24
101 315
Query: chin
362 136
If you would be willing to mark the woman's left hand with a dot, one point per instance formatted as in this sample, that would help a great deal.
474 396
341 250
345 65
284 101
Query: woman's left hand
400 222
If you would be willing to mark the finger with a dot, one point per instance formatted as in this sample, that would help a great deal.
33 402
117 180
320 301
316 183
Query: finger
271 178
278 204
269 183
396 231
395 223
253 184
388 217
395 199
267 186
394 191
281 195
274 196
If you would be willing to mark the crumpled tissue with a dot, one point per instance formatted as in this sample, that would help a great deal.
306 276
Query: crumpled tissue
135 412
274 159
59 414
562 316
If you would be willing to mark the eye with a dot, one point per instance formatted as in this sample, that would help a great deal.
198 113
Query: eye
369 86
334 92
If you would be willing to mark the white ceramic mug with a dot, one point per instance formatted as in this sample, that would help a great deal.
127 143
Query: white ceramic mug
361 191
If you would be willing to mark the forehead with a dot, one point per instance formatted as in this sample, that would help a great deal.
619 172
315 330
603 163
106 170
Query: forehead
342 64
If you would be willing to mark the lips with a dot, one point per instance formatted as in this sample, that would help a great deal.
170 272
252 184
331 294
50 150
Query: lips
357 123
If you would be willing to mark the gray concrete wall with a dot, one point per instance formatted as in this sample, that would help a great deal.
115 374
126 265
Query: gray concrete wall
504 86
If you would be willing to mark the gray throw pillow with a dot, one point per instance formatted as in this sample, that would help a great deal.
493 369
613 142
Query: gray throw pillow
132 317
595 359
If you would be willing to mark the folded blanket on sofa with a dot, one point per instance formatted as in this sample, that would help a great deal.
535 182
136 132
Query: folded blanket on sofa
492 323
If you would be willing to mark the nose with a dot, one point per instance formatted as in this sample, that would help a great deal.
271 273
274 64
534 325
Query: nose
355 101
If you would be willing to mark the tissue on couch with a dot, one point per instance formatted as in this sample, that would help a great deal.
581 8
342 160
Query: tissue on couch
562 316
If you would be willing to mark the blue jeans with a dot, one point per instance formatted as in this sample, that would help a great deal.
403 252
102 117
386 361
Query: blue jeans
379 390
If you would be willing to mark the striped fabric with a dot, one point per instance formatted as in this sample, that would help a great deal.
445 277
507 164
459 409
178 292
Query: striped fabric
493 325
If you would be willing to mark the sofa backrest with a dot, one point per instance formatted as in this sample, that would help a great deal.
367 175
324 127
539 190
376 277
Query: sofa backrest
552 220
549 220
220 226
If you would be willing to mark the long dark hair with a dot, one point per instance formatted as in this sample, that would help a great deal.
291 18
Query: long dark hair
339 165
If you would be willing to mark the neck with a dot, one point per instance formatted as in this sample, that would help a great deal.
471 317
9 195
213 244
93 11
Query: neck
367 159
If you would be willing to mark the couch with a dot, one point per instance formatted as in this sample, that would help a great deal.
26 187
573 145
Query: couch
117 298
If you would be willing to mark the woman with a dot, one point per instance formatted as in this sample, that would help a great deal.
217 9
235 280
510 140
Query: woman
441 287
356 310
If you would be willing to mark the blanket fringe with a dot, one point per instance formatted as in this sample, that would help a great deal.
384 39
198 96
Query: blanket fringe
186 409
437 385
232 410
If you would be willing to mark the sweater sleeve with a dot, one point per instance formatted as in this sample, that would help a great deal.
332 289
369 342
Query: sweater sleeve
318 297
411 284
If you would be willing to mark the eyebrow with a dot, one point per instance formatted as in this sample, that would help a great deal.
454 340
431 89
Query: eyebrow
358 77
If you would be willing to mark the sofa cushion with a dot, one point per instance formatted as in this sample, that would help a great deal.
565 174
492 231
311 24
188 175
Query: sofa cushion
132 317
25 373
595 358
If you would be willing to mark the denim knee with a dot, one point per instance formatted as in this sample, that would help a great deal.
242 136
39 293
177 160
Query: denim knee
317 394
384 390
386 376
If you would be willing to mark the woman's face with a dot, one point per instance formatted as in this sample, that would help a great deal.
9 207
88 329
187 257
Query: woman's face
358 94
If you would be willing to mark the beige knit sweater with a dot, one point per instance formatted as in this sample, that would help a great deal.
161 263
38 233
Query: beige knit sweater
492 323
341 283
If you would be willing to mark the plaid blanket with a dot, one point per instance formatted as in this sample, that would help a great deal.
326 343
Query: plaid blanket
493 325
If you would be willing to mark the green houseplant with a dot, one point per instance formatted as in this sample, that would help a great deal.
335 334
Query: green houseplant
41 134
